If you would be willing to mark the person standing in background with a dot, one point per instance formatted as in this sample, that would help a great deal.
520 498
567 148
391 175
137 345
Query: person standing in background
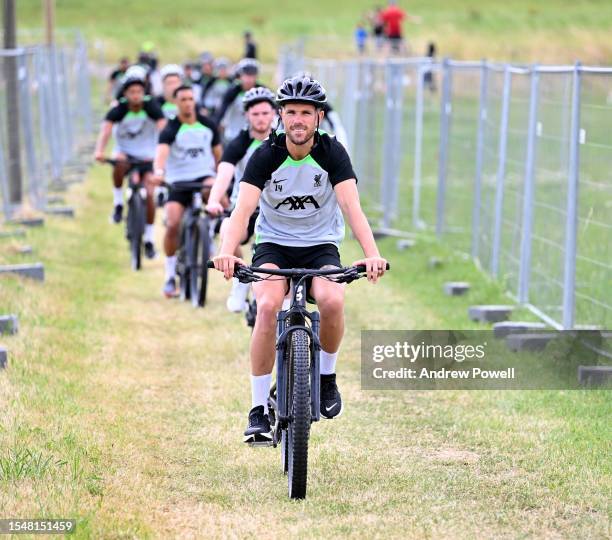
378 28
361 35
250 47
393 16
428 78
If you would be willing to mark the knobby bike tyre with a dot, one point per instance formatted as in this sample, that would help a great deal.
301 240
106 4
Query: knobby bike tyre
299 427
136 225
201 259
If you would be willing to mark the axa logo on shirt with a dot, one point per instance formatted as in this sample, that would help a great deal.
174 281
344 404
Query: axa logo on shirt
298 202
194 152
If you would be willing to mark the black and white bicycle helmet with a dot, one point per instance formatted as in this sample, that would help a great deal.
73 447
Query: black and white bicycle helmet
247 66
257 95
171 69
301 89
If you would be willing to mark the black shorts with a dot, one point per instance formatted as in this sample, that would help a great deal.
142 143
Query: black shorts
142 168
183 197
297 257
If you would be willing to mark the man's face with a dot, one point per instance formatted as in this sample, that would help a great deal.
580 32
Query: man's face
185 102
207 68
300 121
261 116
123 65
222 73
171 83
135 94
248 81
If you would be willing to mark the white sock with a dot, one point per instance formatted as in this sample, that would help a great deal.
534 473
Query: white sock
260 390
149 234
118 196
327 362
170 267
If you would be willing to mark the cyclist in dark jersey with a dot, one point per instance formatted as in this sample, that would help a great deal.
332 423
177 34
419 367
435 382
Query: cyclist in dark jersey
230 114
135 123
188 151
303 182
260 110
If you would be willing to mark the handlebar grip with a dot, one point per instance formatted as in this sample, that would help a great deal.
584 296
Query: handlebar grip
210 264
362 268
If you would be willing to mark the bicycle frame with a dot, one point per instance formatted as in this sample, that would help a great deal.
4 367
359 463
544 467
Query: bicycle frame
297 317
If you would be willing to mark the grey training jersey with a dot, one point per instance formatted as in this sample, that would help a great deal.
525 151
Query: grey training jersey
135 132
298 205
191 156
238 152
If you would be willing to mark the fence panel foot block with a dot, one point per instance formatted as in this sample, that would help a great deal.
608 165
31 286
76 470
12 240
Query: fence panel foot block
505 328
66 211
489 313
405 243
29 222
9 324
456 288
595 375
529 342
34 271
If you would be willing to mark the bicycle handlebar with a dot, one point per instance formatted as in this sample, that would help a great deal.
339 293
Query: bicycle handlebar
132 162
300 272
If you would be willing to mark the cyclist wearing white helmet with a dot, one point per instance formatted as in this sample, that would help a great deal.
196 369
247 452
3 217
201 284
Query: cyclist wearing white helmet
260 110
213 92
135 122
172 78
303 182
230 115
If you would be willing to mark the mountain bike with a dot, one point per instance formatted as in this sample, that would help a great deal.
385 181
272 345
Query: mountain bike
294 401
137 208
195 239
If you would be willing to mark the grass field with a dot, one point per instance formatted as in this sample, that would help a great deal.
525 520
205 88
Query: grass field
521 30
125 411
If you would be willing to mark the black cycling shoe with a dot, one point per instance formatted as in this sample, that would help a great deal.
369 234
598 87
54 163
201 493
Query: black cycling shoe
331 401
258 430
117 213
149 249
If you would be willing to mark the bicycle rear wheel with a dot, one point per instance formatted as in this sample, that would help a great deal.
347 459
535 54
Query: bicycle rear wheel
136 224
299 428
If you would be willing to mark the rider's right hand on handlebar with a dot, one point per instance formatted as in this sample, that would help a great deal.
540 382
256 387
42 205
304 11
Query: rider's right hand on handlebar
226 263
214 208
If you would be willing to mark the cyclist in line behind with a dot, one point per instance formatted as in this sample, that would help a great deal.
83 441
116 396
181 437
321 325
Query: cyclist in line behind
135 123
260 110
230 114
188 151
303 182
172 78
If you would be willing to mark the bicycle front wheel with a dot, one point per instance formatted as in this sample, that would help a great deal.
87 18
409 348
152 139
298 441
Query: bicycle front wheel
135 225
299 427
200 269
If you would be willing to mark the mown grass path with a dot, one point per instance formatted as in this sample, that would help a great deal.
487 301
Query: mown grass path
126 411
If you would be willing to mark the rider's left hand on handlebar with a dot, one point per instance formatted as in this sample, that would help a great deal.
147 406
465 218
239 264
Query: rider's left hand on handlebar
375 267
214 208
226 263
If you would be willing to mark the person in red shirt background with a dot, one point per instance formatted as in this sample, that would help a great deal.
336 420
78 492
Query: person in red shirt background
393 16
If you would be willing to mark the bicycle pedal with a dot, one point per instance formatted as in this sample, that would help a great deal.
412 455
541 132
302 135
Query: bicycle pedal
260 443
